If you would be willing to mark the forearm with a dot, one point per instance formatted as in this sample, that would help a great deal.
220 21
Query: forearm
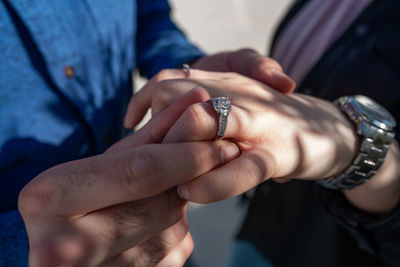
381 193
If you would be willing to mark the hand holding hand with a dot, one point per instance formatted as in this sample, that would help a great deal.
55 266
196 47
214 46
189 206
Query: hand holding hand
280 136
115 208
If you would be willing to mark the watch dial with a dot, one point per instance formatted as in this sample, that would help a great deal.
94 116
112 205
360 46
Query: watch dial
374 112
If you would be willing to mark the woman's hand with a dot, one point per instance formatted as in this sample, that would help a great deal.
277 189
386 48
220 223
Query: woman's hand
245 61
280 136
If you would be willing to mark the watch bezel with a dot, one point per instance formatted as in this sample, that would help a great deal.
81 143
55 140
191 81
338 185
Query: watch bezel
373 112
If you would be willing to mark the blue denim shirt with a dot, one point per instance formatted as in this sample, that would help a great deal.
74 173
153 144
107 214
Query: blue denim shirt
65 79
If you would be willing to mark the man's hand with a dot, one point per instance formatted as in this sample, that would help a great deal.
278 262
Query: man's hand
245 61
115 208
249 63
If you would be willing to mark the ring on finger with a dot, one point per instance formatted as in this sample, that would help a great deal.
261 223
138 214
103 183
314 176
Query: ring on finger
186 70
222 105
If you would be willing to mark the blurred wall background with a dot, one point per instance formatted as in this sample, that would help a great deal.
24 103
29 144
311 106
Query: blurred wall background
216 25
229 24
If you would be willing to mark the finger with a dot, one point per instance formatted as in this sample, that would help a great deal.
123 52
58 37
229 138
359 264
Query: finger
179 255
274 78
157 127
200 122
234 178
82 186
264 69
120 227
141 101
137 108
232 85
152 251
166 92
155 131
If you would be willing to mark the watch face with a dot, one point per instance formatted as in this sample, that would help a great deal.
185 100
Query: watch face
373 112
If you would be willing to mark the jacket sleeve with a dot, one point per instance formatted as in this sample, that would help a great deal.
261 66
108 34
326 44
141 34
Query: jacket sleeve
160 44
378 235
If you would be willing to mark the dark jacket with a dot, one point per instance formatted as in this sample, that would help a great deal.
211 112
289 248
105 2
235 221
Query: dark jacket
292 223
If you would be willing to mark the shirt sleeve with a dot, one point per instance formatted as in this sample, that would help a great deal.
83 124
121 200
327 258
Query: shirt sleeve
13 240
160 44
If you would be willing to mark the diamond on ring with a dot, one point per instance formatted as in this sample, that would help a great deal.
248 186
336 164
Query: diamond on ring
222 105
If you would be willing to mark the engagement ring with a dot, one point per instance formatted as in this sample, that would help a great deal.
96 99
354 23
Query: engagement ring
222 105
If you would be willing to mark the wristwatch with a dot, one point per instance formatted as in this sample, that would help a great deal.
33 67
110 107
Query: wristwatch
375 125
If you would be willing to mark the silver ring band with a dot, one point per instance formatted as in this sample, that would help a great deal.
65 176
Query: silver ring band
186 70
222 105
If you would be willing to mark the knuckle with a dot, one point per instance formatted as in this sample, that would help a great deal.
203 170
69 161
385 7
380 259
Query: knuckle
176 207
185 250
113 231
61 251
189 247
35 197
195 121
158 93
142 167
181 230
165 74
161 94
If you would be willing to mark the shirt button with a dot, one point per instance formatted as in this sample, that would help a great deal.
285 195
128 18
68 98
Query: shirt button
69 71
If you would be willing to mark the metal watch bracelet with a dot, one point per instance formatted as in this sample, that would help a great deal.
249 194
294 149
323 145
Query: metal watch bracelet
374 146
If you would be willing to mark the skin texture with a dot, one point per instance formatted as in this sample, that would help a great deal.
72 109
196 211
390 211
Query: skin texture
280 136
264 69
118 208
121 208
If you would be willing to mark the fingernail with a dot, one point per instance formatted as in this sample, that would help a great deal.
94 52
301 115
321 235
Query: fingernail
229 151
278 75
282 82
183 191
